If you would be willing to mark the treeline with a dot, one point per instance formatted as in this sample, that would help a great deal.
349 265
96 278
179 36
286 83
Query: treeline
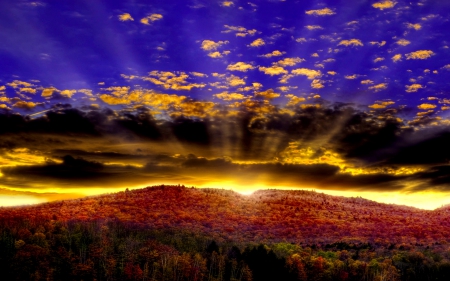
115 250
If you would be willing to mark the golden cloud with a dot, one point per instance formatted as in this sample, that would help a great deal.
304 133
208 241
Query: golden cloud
48 92
240 66
275 53
5 99
445 107
315 55
215 55
351 77
421 54
227 3
403 42
289 61
28 90
151 18
234 81
25 104
209 45
2 88
397 57
125 17
351 42
18 83
294 100
413 88
380 44
268 94
258 42
4 106
379 87
381 105
378 59
317 84
310 73
240 31
199 74
332 72
425 106
320 12
415 26
368 81
68 93
273 70
313 27
229 96
384 5
257 85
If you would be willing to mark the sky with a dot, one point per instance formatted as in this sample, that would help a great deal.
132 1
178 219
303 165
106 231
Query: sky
349 98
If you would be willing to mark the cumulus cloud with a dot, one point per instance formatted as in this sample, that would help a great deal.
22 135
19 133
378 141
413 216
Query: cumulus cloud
240 66
397 57
384 5
351 42
273 70
275 53
416 26
379 87
426 106
421 54
309 73
125 17
209 45
257 43
413 88
403 42
229 96
151 18
320 12
268 94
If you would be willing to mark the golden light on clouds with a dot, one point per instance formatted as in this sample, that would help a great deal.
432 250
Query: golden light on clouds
413 88
240 66
397 57
421 54
257 43
209 45
320 12
275 53
227 3
151 18
125 17
229 96
381 105
268 94
273 70
351 42
415 26
367 81
426 106
384 5
403 42
313 27
309 73
379 87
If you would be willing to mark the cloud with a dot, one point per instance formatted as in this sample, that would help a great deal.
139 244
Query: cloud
421 54
240 31
294 100
367 81
413 88
152 18
209 45
351 77
275 53
313 27
18 84
268 94
215 55
289 61
403 42
125 17
332 72
415 26
351 42
309 73
320 12
28 90
378 59
229 96
273 70
380 44
235 81
381 105
317 84
397 57
240 66
426 106
384 5
227 3
25 104
379 87
257 43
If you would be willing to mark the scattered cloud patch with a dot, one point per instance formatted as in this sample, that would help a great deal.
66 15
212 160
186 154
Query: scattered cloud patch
321 12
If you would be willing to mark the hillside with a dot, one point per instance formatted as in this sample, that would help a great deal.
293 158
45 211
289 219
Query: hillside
303 217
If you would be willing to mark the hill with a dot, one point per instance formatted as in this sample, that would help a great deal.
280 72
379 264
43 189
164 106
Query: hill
303 217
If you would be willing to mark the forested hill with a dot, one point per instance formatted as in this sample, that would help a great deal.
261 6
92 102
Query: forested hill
304 217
